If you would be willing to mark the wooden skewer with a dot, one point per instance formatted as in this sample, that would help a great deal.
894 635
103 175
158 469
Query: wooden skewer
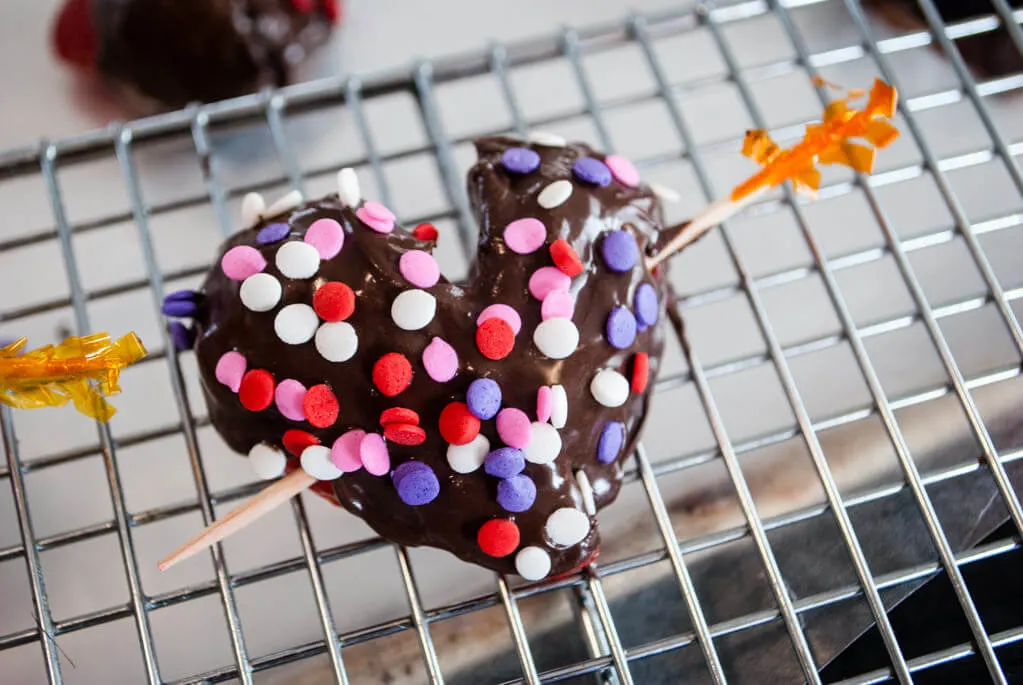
263 503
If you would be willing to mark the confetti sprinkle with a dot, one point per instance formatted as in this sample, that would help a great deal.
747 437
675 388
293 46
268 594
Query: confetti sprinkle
320 406
376 216
287 203
544 445
559 304
419 268
645 304
416 483
556 338
555 195
469 457
296 441
316 462
406 434
345 451
179 308
260 292
619 250
533 563
326 236
256 390
586 490
426 232
640 372
544 401
253 206
457 425
567 527
392 374
242 261
514 427
520 160
484 398
566 258
546 139
334 301
398 415
559 406
546 280
337 342
266 461
413 310
623 170
230 368
374 455
495 338
288 397
348 189
516 494
297 260
179 295
609 388
274 233
501 311
525 236
611 440
498 537
621 328
182 336
592 171
296 324
504 462
664 193
440 361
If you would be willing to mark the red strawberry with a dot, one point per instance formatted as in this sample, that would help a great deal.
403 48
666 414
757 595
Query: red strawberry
73 36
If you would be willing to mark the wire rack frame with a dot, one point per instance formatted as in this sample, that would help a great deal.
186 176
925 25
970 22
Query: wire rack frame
607 654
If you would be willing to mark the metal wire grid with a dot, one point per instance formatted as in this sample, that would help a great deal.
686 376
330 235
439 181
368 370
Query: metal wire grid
608 656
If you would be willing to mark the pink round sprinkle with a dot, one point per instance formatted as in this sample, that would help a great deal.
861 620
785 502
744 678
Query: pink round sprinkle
525 235
327 236
288 396
546 280
419 268
559 304
230 369
374 455
440 360
242 261
514 428
376 216
544 404
501 311
623 170
345 452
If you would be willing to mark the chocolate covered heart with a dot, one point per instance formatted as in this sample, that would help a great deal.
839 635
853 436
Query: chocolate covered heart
489 417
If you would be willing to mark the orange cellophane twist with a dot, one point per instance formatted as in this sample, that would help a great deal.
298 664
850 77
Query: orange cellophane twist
824 143
81 370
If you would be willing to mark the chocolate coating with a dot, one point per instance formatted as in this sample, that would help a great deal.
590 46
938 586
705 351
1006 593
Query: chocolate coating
182 51
368 263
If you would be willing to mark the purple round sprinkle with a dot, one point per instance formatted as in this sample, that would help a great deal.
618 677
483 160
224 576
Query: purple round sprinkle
179 295
504 462
520 160
621 328
272 233
619 250
646 304
483 398
516 494
179 308
416 483
611 440
592 171
181 336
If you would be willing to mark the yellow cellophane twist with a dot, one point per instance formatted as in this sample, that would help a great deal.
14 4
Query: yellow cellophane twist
81 370
824 143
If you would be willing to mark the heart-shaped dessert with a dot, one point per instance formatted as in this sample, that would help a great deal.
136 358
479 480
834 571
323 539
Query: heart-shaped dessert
490 417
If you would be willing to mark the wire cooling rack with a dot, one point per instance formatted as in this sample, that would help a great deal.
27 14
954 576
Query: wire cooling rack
913 286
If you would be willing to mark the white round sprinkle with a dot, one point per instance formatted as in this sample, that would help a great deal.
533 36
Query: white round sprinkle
260 292
548 139
337 342
556 338
413 309
586 490
298 259
467 458
267 461
285 204
544 446
566 526
665 193
348 187
253 207
296 324
316 462
559 406
609 388
533 563
555 194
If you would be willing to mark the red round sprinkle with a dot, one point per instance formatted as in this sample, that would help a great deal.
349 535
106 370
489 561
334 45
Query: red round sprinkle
256 391
427 232
405 434
457 425
640 372
498 537
304 6
320 406
565 258
334 301
399 415
392 374
295 441
332 8
495 338
74 35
